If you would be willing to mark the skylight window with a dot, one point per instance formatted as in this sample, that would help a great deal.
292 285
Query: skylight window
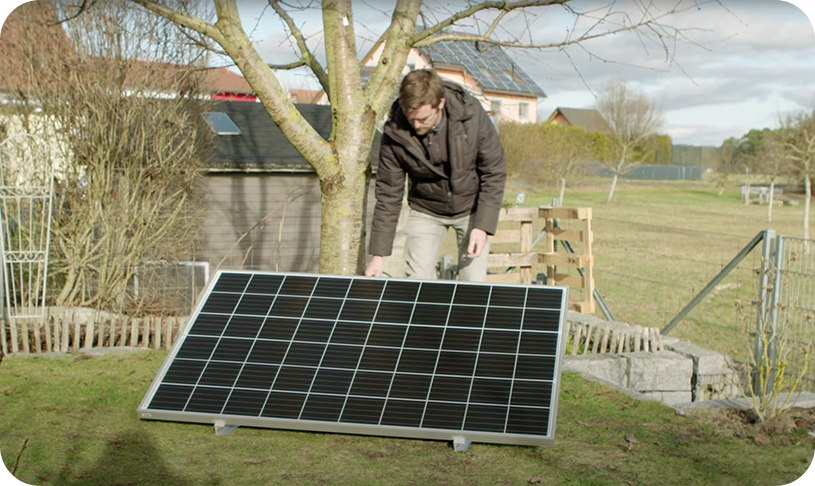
221 124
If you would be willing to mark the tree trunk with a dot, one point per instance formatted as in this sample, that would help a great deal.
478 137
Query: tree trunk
342 238
770 198
611 191
807 200
747 193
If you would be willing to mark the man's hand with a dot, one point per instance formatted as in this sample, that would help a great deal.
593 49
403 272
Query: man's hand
374 268
478 239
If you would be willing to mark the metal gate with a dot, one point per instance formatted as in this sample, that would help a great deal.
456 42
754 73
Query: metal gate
26 195
787 307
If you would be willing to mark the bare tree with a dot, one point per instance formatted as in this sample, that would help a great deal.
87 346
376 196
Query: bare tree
341 162
130 141
631 117
799 135
768 158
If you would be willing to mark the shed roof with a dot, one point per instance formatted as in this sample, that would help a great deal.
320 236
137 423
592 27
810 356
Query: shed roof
261 144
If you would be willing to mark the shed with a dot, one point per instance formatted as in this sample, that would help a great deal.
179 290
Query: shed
262 197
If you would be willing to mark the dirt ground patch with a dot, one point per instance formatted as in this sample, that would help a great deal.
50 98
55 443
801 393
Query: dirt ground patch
787 428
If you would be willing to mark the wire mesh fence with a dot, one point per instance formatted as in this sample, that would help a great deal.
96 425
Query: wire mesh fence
169 288
796 305
648 273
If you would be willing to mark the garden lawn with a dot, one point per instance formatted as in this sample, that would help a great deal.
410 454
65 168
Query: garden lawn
71 420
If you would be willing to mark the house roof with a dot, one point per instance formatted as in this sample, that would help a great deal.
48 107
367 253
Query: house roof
303 95
222 80
261 144
488 64
34 28
590 119
30 28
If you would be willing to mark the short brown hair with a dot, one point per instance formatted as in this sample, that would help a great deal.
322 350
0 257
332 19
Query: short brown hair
420 87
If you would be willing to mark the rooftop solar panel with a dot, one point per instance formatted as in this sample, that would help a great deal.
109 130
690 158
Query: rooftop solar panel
479 62
405 358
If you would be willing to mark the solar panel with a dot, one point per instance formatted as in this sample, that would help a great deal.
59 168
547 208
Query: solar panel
438 360
478 62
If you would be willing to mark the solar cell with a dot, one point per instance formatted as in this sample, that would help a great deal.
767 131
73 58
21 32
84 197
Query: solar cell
489 65
406 358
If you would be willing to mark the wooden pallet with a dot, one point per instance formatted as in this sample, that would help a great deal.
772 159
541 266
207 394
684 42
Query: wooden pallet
526 256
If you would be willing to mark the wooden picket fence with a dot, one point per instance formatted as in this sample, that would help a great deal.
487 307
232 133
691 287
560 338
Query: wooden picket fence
609 337
71 329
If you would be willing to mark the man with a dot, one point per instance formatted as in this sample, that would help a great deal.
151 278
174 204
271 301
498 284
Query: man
443 140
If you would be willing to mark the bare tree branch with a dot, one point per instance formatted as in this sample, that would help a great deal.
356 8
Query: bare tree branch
308 58
417 40
182 19
388 72
291 65
82 8
202 43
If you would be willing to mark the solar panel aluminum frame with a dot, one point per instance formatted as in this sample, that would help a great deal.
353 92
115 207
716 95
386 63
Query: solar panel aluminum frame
457 436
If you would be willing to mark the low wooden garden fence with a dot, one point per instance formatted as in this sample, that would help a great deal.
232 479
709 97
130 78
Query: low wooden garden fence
71 329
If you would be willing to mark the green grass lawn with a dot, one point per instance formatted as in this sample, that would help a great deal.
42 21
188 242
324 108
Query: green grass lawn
72 420
77 419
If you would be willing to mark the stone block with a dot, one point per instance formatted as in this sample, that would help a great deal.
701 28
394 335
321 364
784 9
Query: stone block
577 317
607 367
661 371
705 362
669 397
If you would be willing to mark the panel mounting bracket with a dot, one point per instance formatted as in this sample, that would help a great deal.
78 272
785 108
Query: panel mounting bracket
221 428
460 444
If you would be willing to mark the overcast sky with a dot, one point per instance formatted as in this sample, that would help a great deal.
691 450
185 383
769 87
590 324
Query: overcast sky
747 63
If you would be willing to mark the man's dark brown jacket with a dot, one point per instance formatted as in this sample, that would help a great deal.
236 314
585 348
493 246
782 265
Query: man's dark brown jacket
477 171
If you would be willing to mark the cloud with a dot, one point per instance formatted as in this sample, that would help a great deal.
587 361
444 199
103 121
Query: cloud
747 63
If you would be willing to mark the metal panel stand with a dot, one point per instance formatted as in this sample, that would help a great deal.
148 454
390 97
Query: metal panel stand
460 444
222 429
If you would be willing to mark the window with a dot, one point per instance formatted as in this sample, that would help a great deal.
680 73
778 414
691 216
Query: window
221 124
495 107
523 110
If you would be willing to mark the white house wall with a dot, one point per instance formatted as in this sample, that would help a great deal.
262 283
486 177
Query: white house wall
24 157
510 107
510 104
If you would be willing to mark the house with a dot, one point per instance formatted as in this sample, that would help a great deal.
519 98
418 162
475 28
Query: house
303 96
486 71
590 119
31 27
503 88
224 85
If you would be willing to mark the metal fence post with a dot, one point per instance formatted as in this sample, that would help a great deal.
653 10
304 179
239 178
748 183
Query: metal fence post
775 300
763 285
